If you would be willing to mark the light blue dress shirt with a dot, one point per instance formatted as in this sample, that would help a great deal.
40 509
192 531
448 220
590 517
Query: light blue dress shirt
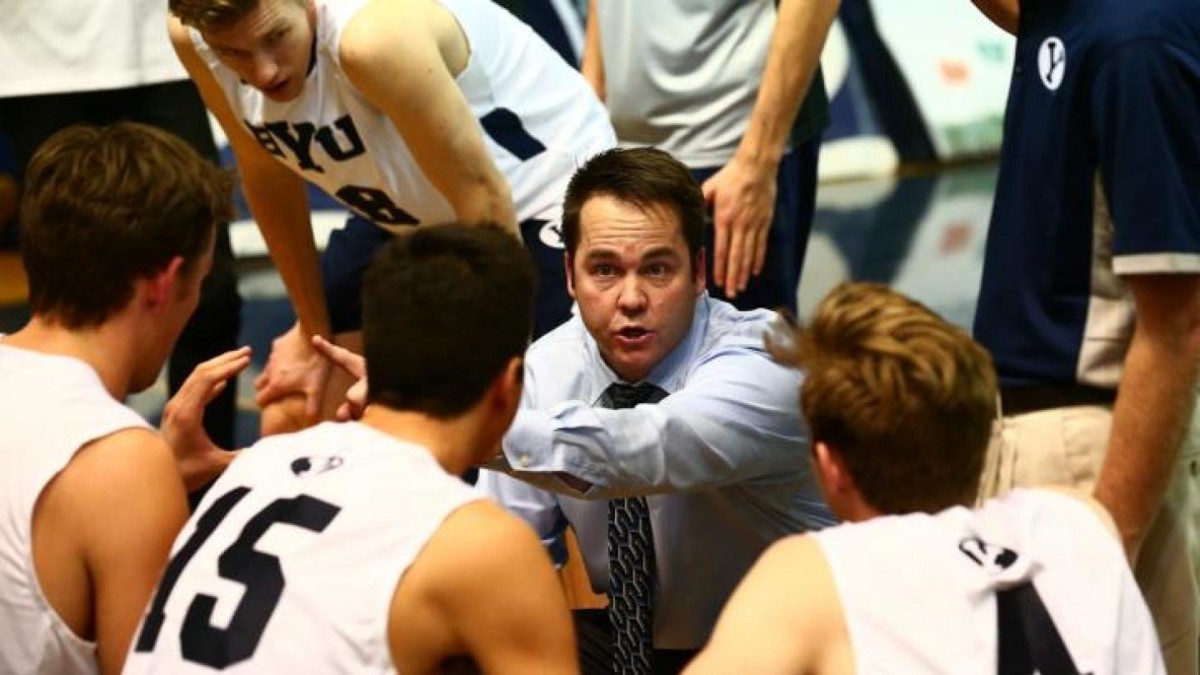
724 459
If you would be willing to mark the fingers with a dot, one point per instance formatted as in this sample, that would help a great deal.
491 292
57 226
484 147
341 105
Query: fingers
343 358
209 378
754 242
720 225
735 269
185 411
271 391
760 253
312 405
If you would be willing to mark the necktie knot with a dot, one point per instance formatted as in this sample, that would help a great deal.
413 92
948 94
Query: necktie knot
620 395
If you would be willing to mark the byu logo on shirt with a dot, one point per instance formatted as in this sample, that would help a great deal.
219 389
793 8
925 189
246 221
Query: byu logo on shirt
1052 62
986 555
551 234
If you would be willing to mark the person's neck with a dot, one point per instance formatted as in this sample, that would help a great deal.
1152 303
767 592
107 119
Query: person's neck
106 348
452 442
852 507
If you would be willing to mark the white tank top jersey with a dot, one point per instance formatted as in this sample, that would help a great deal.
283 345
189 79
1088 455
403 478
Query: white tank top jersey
537 115
50 406
291 560
921 592
66 46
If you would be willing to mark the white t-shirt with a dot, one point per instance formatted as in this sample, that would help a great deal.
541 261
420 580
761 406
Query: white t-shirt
683 75
60 46
50 406
920 592
290 562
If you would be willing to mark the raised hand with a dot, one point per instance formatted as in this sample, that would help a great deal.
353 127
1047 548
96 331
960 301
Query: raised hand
356 365
198 457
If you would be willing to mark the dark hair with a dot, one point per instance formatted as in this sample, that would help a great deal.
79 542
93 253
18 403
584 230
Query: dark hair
904 397
105 206
641 176
444 310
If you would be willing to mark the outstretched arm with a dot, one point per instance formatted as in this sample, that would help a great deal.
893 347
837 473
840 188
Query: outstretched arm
736 419
742 193
441 130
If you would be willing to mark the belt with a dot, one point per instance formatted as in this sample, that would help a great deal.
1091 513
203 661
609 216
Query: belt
1016 400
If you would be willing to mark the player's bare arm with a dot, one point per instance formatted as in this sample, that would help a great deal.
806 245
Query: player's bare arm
102 532
1154 402
279 203
442 132
742 193
1003 13
482 588
592 63
784 617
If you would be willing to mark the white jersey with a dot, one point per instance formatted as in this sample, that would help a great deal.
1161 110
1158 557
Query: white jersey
921 593
290 562
62 46
50 406
538 117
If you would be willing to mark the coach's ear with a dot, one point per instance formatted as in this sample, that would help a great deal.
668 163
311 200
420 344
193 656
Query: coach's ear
159 288
570 273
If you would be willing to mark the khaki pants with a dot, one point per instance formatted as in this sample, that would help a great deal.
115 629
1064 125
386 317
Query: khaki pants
1066 446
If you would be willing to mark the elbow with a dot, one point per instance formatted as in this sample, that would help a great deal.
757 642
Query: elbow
486 202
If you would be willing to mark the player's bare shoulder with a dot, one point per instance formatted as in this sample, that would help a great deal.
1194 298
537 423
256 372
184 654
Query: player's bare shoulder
483 588
429 25
789 592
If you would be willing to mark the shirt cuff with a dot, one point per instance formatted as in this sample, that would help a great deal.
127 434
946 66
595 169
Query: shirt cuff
529 442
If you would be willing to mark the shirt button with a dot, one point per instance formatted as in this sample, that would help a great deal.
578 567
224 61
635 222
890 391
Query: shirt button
523 460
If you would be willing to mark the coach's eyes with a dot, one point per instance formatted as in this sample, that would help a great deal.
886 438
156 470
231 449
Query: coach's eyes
604 270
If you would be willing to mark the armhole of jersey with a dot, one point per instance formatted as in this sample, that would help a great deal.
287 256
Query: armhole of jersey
853 639
57 624
461 500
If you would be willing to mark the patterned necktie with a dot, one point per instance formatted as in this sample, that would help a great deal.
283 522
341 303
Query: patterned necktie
631 567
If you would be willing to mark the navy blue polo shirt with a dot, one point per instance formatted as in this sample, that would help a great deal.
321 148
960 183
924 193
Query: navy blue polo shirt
1103 120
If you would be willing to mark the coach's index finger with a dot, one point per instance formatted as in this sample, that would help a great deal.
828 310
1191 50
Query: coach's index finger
345 359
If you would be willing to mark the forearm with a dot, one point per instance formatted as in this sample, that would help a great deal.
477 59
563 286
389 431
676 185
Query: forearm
485 199
279 205
592 64
692 442
1150 419
792 61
